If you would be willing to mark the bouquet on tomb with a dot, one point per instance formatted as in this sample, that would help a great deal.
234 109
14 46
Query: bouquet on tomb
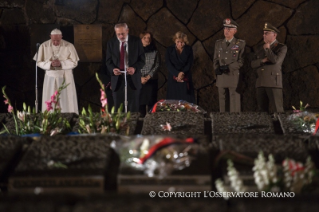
304 120
104 121
28 121
290 176
156 155
176 105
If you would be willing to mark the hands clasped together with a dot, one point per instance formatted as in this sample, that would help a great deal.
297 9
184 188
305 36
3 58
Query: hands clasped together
180 77
56 63
145 79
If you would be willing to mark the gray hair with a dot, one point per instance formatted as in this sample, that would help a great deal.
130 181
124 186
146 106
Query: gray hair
119 25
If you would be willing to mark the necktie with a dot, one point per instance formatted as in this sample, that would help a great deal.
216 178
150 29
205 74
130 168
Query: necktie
122 55
227 43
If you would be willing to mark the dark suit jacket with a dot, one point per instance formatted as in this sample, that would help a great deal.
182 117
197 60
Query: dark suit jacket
136 59
176 64
269 74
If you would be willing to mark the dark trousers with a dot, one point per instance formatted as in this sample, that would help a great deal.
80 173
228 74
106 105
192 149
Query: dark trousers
132 95
272 96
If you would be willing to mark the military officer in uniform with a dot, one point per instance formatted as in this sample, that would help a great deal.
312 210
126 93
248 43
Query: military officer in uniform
268 61
228 58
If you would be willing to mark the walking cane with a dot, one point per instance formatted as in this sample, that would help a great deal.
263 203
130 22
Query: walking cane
36 79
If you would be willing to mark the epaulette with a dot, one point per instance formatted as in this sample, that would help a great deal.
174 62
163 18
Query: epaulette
220 40
279 45
239 41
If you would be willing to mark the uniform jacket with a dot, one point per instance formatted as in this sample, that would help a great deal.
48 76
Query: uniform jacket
136 59
269 74
231 56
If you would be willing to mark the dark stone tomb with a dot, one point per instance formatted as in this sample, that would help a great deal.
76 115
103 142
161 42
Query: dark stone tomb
195 177
66 164
182 123
11 148
243 149
281 147
245 122
289 127
2 120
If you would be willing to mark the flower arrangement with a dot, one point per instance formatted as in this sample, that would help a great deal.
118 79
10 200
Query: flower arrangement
47 123
176 105
291 176
303 119
103 122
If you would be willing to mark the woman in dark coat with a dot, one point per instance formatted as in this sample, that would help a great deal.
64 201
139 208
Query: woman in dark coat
179 60
149 79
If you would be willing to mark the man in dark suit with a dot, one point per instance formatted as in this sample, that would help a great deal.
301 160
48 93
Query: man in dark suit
119 47
228 58
268 61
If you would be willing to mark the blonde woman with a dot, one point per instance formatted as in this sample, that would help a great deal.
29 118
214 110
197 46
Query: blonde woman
179 60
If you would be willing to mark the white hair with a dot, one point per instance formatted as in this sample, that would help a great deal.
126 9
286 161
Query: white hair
56 32
119 25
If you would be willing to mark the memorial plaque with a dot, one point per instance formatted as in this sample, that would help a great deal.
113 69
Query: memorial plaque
88 42
182 123
87 159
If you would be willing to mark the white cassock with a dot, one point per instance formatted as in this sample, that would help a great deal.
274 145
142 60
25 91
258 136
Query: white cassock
53 78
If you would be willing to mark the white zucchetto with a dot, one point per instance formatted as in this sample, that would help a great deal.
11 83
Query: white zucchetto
56 32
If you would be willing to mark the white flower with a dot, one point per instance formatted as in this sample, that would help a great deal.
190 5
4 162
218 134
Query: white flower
21 115
104 129
88 129
55 131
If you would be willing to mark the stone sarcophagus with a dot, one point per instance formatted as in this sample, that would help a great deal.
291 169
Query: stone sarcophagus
182 123
65 164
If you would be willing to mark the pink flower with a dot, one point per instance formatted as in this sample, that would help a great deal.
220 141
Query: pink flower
10 108
6 101
53 97
104 102
49 105
166 127
102 94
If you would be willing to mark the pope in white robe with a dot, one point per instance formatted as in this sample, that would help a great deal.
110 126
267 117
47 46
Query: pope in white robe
58 58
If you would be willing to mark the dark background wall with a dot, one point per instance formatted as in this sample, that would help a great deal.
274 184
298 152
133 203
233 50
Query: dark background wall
200 19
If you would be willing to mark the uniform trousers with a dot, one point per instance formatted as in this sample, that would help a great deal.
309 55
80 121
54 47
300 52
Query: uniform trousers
272 96
233 105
